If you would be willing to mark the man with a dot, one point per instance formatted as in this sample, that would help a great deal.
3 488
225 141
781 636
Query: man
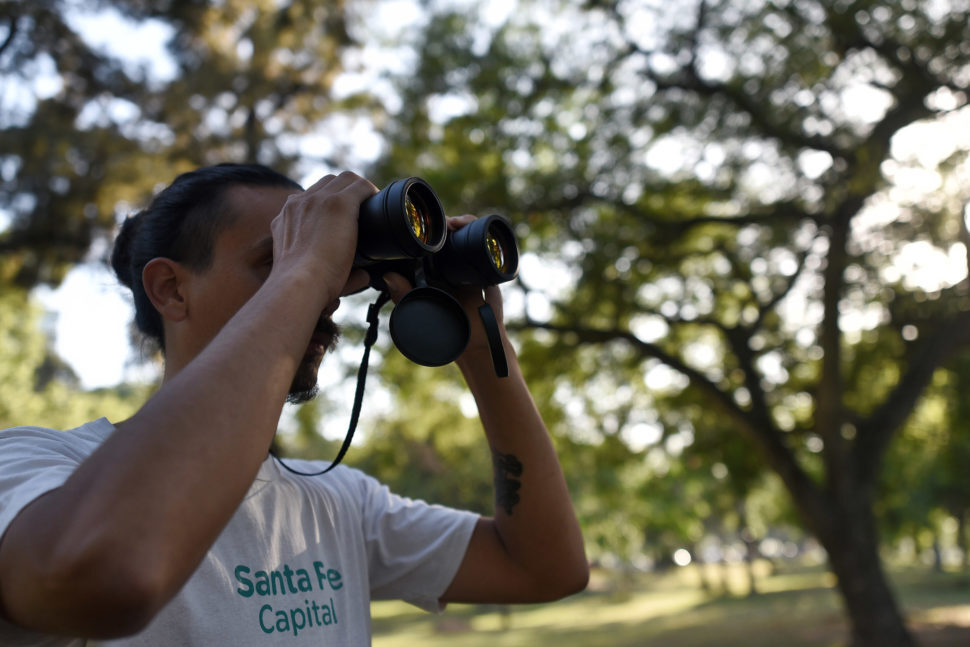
174 527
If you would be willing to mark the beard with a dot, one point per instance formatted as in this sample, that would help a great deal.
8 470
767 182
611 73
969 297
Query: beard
304 386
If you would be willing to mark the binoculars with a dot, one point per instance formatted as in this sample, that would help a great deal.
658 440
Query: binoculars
403 229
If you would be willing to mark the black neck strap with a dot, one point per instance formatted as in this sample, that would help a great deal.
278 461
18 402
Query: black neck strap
494 336
372 319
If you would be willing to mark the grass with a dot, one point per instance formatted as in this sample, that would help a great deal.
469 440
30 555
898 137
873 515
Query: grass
794 609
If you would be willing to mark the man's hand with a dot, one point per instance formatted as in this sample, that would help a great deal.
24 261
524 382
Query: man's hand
471 299
317 229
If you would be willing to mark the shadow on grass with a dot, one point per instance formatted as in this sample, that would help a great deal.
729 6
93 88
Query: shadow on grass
600 619
650 615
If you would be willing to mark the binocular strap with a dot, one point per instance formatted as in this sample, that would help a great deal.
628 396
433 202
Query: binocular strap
373 311
497 351
495 348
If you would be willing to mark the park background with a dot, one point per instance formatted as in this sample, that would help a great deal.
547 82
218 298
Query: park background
743 301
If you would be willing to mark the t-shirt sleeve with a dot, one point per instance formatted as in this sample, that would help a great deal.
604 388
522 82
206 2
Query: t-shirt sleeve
34 461
414 548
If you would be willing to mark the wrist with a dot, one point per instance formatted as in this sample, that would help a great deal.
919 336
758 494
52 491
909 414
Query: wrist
304 281
477 361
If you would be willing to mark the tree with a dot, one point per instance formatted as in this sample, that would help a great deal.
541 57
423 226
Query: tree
719 184
718 188
954 491
88 133
36 387
924 483
53 172
97 132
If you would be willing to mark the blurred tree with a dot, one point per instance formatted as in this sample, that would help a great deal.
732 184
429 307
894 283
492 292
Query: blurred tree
924 483
716 200
954 488
429 445
87 131
50 170
36 387
719 198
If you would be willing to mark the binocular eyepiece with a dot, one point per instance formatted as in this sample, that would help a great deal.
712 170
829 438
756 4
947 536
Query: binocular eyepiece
405 222
403 229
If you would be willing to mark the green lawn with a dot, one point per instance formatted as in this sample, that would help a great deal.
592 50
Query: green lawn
796 609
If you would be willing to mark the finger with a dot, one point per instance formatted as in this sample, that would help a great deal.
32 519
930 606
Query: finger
493 295
456 223
322 182
397 285
346 180
357 281
470 297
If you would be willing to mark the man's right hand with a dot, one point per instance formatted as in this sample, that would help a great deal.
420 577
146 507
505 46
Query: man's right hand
317 230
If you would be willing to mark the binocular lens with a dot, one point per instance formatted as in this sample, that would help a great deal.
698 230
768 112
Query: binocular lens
418 218
496 251
483 252
402 221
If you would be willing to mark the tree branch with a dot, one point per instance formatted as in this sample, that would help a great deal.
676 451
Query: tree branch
14 26
772 303
965 233
739 340
787 211
876 432
757 111
804 490
779 211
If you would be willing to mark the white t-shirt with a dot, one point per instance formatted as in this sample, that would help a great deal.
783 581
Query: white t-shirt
298 563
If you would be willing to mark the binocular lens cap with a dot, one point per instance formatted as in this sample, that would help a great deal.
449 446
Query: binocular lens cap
429 327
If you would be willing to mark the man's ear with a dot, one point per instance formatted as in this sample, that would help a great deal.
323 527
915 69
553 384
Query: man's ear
162 280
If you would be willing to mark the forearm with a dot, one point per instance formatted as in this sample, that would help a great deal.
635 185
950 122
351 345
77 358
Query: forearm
156 494
534 517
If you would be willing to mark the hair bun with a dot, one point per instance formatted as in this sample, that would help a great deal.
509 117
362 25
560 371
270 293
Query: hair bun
121 254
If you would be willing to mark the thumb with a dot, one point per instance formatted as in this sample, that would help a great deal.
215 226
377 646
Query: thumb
397 285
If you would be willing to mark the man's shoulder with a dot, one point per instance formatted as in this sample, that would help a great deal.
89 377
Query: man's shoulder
81 439
94 429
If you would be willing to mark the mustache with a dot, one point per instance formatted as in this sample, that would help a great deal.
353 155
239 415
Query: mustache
327 327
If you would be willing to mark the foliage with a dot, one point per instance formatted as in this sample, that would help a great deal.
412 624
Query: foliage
925 477
721 200
719 206
37 388
88 134
430 444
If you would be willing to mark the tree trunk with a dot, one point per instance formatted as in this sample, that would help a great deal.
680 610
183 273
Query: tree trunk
937 553
962 543
751 551
851 540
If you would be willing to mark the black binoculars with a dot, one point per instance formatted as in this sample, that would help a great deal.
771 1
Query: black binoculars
403 229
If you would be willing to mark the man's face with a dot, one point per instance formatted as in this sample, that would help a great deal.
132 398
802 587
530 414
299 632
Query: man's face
242 258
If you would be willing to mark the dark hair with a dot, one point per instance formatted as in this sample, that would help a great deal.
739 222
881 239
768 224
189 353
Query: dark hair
182 223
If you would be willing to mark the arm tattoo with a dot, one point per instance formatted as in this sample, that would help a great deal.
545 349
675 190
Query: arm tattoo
508 471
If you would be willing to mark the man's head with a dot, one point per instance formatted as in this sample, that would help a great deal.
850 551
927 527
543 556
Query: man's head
199 251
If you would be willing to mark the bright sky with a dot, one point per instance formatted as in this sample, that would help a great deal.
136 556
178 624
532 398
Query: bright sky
92 312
